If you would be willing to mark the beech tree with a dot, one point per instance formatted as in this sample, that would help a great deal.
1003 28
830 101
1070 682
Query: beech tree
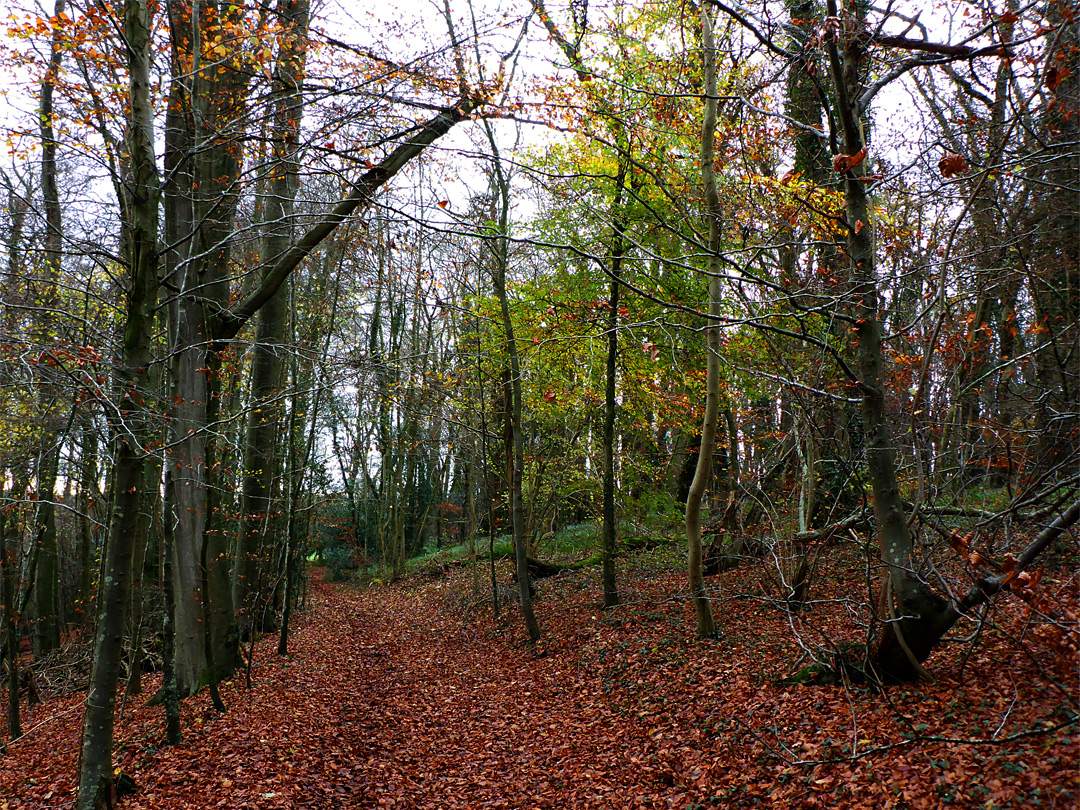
130 421
206 233
706 625
266 414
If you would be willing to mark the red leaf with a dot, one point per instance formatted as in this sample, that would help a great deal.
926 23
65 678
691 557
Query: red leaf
845 163
952 164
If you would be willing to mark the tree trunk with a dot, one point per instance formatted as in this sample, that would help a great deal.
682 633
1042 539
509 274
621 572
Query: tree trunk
129 428
8 573
485 472
209 164
262 445
301 451
298 461
46 602
187 452
47 577
611 593
912 610
516 447
170 692
706 624
150 510
87 508
1054 275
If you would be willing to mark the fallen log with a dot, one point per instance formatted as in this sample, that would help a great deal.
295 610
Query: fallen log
540 569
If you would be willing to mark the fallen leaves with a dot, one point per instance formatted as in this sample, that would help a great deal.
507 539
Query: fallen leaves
412 696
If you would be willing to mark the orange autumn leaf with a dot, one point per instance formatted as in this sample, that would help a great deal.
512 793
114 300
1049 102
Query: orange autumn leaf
952 164
845 163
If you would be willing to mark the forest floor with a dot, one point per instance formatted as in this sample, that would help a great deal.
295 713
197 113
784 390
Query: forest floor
413 695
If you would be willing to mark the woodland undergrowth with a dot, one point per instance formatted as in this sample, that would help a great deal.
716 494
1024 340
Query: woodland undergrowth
412 695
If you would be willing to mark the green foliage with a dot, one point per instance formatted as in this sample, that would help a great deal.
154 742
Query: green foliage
658 509
341 563
574 538
504 546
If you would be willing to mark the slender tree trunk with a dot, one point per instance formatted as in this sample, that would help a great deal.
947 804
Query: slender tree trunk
706 625
47 577
8 572
87 508
301 456
912 608
147 523
486 473
261 447
611 593
170 690
516 450
47 626
298 461
129 428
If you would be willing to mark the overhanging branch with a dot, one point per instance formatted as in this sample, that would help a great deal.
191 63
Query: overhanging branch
232 321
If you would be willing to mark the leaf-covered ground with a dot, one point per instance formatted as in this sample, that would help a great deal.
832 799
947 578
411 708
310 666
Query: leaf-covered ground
413 696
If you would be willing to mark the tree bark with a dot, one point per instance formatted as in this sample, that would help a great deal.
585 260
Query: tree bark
706 624
170 692
148 513
8 570
610 524
262 446
87 508
911 607
516 448
204 206
46 602
129 421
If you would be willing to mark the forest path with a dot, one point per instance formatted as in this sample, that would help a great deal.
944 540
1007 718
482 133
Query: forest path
391 700
448 718
409 696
